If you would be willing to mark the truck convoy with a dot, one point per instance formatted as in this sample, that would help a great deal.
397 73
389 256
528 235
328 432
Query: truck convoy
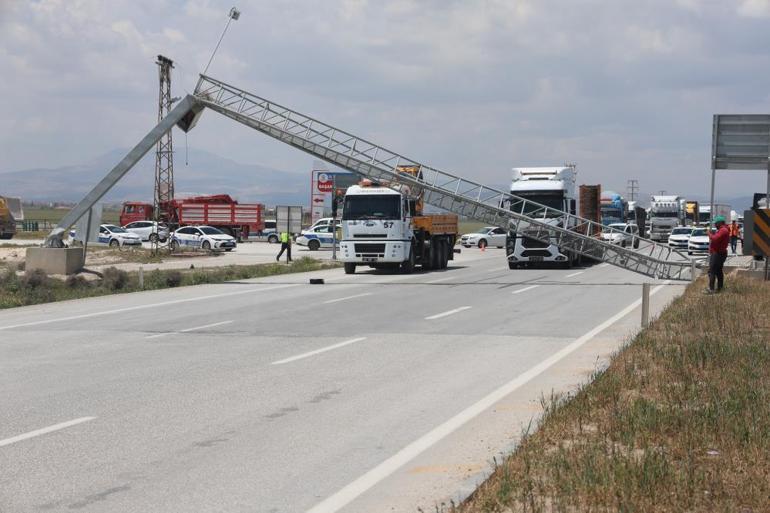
550 186
7 221
220 211
666 212
614 208
383 226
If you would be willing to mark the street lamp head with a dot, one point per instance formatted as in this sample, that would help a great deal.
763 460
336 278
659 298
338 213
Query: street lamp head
234 13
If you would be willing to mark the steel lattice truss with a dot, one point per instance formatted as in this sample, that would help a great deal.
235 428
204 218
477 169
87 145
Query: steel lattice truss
440 189
164 154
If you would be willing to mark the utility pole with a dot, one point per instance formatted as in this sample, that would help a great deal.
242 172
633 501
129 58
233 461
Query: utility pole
633 189
164 154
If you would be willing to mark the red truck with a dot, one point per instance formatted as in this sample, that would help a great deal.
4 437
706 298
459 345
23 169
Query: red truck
220 211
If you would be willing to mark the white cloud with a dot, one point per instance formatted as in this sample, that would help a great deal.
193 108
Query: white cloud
754 8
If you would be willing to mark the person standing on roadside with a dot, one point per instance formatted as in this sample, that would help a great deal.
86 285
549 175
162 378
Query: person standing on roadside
735 234
717 254
285 246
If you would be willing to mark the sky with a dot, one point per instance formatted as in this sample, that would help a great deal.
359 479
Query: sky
624 89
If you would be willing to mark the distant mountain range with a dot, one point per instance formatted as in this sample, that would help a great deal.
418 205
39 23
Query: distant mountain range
207 173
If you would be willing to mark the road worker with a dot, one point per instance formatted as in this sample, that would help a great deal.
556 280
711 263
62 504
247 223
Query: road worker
735 233
717 254
285 246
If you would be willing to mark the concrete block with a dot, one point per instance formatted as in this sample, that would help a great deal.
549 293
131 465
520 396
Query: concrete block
55 260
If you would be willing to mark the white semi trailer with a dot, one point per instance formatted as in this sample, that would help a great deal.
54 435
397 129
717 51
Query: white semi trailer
666 212
550 186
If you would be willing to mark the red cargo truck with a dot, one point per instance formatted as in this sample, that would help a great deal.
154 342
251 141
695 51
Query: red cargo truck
220 211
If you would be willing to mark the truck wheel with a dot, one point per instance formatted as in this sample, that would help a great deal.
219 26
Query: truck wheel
313 245
114 243
350 268
206 246
445 249
407 267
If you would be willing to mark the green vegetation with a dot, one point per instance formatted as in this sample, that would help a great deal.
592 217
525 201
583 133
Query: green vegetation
36 287
680 421
54 215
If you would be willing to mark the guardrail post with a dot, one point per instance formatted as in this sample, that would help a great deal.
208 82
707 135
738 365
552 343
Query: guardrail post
693 271
141 277
645 305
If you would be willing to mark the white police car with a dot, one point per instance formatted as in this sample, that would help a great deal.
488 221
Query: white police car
115 236
317 237
203 237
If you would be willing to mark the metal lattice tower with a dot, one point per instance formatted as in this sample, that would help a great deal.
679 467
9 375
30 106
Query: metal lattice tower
441 189
633 189
164 155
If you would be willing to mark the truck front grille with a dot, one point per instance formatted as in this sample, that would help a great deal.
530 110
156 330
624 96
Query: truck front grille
369 248
529 242
535 252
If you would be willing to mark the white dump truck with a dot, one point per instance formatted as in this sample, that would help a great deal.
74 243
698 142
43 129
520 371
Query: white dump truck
384 227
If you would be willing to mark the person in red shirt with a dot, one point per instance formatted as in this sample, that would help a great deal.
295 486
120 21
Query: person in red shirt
718 242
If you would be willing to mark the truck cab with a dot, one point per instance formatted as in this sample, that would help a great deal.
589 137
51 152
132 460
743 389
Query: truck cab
666 212
382 228
550 186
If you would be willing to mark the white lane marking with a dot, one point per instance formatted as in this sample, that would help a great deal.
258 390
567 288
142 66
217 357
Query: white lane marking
449 312
350 492
446 278
205 326
143 307
43 431
574 274
346 298
525 289
317 351
189 329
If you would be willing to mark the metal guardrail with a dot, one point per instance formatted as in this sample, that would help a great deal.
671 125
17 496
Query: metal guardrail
441 189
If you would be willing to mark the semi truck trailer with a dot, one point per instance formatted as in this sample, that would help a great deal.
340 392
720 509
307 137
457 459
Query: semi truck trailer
550 186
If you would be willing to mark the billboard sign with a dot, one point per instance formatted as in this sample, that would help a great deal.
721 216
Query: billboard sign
740 141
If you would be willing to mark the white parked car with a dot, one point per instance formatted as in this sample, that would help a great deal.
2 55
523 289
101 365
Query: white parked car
203 237
324 221
148 230
698 242
115 236
623 234
679 237
317 238
487 236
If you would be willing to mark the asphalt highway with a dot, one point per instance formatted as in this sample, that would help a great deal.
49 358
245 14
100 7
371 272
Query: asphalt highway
274 395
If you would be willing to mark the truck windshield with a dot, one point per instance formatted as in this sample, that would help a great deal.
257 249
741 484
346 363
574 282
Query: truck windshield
384 206
554 200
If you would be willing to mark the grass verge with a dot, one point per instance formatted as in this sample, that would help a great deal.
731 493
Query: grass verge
680 421
35 287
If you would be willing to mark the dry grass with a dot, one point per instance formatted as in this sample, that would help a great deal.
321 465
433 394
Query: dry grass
680 421
36 287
